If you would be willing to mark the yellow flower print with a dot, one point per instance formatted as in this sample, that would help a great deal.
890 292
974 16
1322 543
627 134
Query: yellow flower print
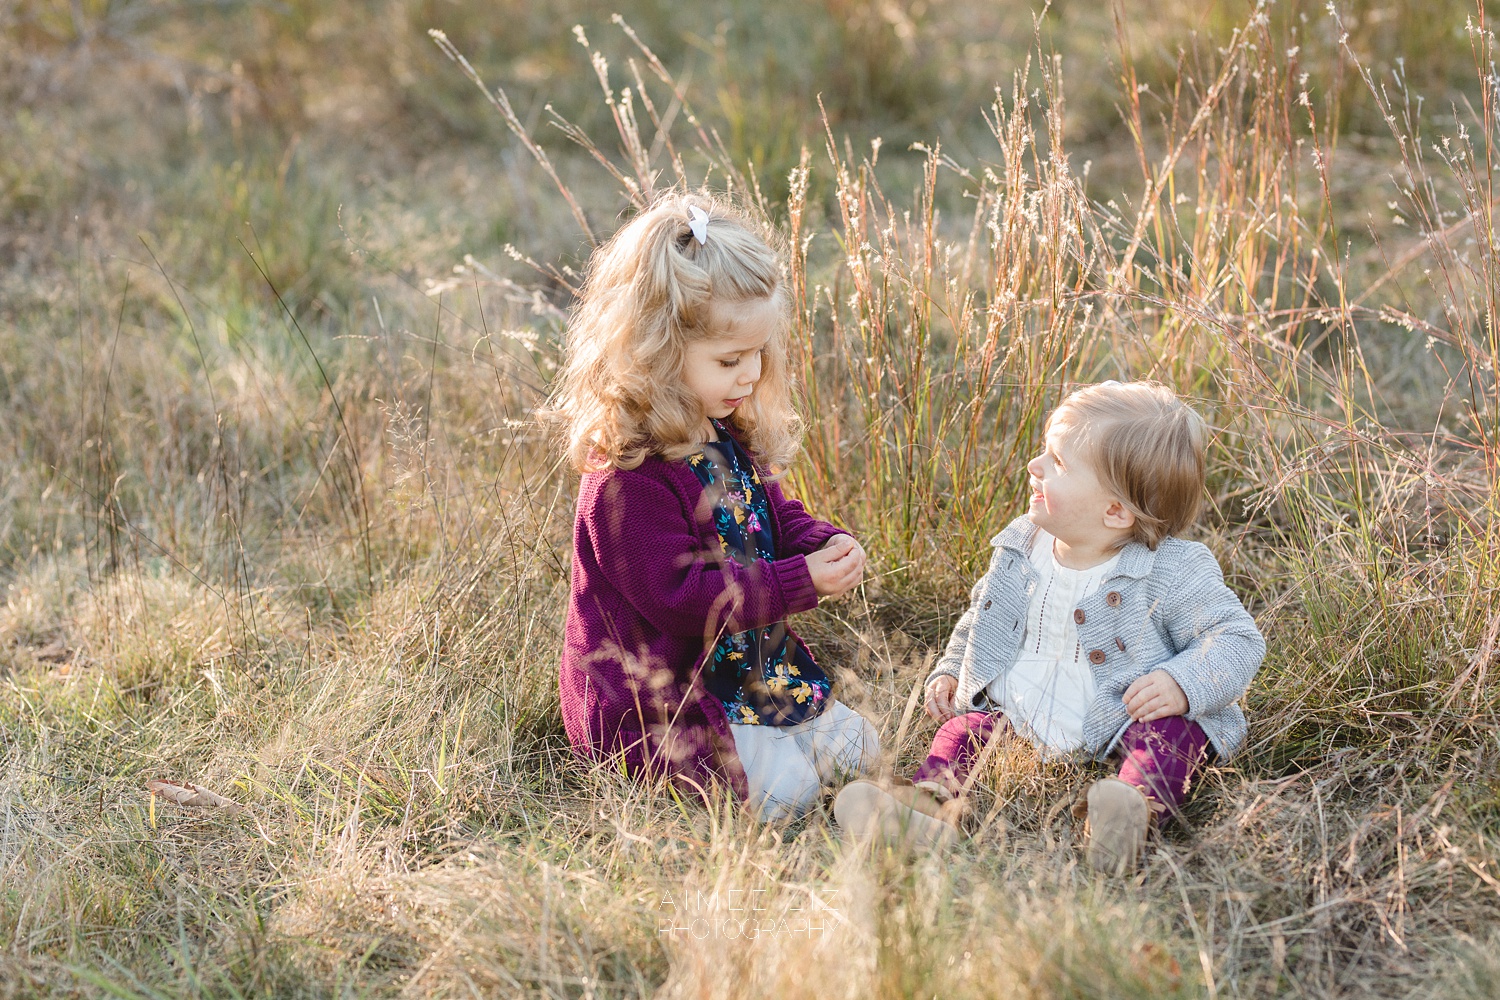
747 715
776 684
735 654
802 693
794 670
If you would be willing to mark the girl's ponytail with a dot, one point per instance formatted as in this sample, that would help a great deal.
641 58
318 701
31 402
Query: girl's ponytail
668 281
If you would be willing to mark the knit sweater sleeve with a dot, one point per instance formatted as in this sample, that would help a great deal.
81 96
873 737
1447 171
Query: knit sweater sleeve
952 660
649 550
797 531
1219 648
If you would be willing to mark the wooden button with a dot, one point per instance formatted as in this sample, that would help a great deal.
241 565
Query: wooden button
1096 657
1078 615
1113 598
1121 643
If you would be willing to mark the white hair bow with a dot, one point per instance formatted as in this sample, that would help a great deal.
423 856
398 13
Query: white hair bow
698 223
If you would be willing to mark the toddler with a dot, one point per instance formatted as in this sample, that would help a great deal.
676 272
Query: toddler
1095 632
687 557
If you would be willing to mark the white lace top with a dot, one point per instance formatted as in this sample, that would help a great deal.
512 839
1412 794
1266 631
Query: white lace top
1047 693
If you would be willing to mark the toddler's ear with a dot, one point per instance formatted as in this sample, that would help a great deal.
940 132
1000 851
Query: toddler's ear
1117 515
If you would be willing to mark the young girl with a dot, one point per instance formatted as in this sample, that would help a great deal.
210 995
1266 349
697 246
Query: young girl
687 557
1094 632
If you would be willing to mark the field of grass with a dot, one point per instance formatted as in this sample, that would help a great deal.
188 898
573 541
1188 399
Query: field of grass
281 288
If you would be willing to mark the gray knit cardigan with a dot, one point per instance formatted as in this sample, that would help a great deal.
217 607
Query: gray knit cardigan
1166 609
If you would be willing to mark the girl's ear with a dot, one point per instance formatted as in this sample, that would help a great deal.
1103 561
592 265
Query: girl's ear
1117 515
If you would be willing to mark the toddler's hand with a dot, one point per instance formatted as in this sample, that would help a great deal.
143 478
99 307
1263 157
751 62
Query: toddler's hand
940 697
837 567
1155 696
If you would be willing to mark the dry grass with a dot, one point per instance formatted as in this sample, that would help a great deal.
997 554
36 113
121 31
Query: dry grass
276 520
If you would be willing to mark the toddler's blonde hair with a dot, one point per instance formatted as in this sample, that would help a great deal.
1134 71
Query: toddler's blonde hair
1146 446
645 297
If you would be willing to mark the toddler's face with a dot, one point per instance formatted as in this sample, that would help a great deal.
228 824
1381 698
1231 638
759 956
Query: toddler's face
1067 499
721 370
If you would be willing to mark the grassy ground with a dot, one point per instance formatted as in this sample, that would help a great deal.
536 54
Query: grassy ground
280 288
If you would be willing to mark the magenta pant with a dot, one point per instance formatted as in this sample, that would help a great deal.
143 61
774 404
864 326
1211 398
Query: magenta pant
1160 757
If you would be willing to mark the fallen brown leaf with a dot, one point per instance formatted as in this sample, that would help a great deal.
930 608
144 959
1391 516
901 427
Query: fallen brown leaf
55 651
189 794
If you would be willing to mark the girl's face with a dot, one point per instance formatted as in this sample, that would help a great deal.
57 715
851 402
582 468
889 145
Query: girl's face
1067 499
721 370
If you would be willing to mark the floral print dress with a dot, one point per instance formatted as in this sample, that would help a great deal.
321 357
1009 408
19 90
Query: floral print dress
764 676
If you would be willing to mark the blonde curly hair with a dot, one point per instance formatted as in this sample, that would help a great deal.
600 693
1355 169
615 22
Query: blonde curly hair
645 297
1147 448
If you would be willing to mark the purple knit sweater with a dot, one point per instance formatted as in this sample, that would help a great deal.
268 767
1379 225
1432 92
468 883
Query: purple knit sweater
652 592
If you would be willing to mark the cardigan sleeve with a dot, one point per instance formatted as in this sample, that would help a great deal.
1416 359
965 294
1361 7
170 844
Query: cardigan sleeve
952 660
1219 649
797 531
649 550
950 664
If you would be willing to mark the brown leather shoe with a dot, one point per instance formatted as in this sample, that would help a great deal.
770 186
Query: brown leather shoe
1119 818
902 815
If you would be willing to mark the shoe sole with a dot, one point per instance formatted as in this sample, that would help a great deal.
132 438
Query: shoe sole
1118 819
867 812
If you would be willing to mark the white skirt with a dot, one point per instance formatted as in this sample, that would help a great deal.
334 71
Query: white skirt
788 765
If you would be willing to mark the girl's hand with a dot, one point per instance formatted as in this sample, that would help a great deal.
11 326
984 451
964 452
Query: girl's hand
837 567
940 697
1155 696
857 551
